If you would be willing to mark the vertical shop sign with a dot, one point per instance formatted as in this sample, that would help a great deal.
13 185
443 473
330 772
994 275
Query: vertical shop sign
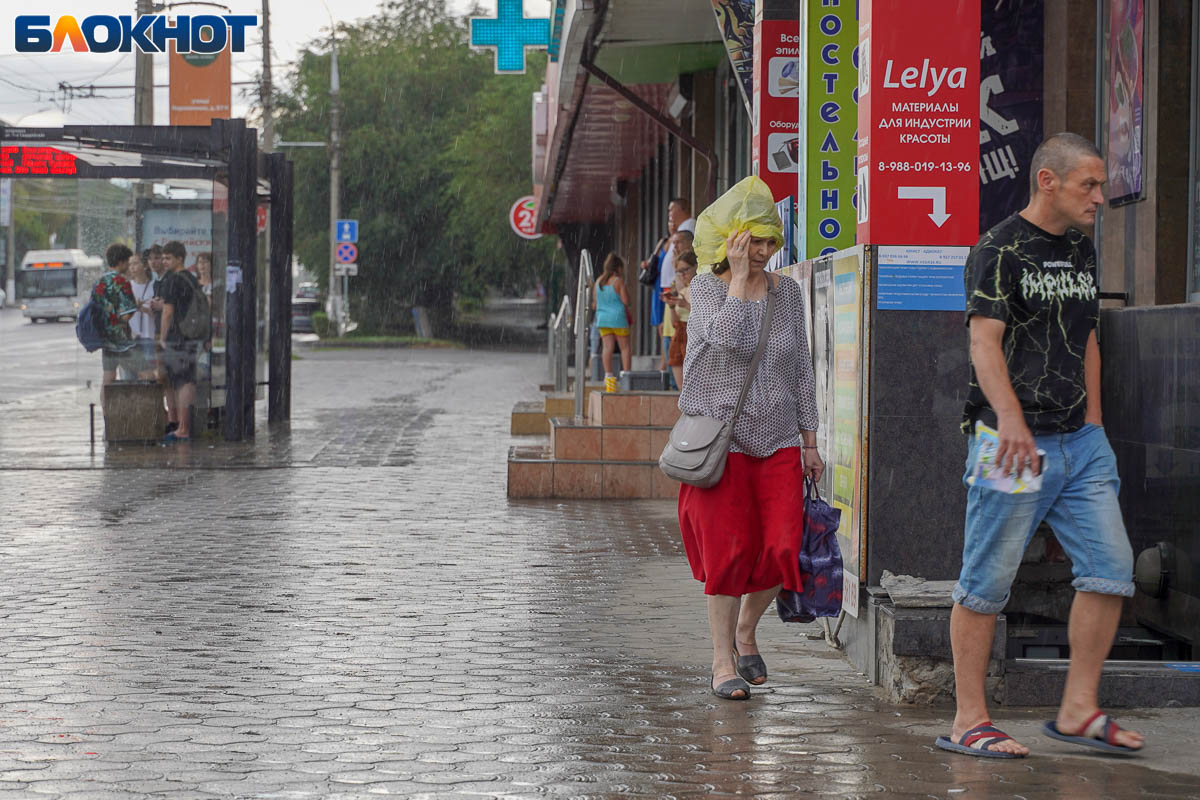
831 122
200 87
918 123
776 148
735 21
1010 105
1126 43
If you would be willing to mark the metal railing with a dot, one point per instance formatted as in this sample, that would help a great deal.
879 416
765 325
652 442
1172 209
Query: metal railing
559 344
583 305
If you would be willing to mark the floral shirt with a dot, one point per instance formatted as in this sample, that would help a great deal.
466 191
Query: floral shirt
114 294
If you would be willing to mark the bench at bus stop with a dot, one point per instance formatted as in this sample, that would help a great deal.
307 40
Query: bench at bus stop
134 411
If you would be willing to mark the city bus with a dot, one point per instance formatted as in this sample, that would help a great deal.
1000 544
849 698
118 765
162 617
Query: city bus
52 284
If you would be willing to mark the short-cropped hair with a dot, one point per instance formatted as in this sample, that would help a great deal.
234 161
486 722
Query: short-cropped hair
175 249
1059 154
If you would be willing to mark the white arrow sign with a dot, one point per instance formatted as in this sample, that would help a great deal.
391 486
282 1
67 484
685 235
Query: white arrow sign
935 193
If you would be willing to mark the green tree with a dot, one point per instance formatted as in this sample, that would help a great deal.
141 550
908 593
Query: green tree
435 148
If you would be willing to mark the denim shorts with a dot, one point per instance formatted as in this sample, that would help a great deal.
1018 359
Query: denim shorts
1078 500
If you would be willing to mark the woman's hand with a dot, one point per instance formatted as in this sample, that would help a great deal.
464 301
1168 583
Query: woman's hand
814 467
737 250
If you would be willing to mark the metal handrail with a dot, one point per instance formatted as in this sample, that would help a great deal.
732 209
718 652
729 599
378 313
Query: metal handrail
560 333
583 305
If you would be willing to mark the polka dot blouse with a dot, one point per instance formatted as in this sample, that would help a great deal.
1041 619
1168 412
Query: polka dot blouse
722 337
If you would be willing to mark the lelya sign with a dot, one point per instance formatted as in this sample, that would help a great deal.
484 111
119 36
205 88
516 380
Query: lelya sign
918 147
509 33
122 33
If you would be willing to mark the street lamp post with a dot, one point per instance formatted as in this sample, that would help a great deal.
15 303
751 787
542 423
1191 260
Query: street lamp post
335 188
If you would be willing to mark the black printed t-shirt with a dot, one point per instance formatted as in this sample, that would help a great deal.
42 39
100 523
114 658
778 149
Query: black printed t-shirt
176 289
1043 288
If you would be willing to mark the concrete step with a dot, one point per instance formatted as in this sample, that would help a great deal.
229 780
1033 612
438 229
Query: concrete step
529 419
656 409
571 440
533 472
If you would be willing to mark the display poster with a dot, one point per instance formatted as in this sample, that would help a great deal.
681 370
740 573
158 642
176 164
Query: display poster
775 150
735 21
200 87
1010 105
1126 41
786 255
918 123
191 226
915 278
830 114
844 457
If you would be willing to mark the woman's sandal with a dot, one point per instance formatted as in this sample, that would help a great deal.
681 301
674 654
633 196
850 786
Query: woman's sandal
1099 731
752 668
726 689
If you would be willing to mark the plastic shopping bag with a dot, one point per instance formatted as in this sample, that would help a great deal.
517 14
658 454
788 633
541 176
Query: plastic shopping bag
820 564
748 206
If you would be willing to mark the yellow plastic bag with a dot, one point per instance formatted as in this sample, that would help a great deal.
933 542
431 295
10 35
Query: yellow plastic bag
748 206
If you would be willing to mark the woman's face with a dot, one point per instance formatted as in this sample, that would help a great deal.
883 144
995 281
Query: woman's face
204 267
760 251
137 269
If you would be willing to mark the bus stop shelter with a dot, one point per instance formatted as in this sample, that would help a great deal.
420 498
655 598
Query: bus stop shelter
208 187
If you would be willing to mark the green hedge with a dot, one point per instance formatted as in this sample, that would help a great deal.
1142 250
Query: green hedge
321 325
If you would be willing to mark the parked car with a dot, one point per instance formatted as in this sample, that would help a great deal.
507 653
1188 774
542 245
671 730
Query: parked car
308 291
302 310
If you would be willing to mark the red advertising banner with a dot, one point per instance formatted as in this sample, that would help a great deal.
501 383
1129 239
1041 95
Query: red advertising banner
777 87
918 122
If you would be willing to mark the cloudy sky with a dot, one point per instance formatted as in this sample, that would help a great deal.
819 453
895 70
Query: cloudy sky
29 84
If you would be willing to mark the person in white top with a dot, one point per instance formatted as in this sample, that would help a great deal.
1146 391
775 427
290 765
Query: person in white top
679 218
141 325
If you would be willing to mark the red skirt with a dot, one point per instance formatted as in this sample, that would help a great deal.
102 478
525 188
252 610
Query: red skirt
744 534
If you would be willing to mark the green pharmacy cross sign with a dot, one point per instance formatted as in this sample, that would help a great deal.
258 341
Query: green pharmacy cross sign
509 33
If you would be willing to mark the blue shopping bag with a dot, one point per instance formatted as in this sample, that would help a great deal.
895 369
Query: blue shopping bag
820 564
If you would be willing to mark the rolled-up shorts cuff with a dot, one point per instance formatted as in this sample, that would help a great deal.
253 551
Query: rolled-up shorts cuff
1103 586
975 603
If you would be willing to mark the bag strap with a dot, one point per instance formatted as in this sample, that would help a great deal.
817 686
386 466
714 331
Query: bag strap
762 346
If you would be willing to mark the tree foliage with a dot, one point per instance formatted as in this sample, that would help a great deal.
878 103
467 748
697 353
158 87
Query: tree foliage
435 150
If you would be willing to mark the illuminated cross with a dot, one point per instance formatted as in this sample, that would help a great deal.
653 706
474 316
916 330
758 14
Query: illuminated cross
510 33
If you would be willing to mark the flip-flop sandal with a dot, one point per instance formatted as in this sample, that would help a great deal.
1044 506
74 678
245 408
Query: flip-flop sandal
1099 732
978 742
751 668
726 689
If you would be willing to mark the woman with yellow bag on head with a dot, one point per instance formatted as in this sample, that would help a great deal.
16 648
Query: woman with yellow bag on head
743 534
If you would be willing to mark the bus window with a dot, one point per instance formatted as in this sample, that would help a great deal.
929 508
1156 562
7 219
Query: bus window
38 283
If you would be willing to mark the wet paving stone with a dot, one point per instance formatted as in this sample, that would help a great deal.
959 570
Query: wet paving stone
350 607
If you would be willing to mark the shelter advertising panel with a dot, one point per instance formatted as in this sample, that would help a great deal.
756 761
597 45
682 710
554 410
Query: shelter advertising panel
1126 44
918 111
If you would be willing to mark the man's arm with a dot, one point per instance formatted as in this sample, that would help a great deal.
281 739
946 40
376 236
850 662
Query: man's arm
168 314
1091 379
987 355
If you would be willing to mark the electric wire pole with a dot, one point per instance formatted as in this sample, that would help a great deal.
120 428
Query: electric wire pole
268 104
143 66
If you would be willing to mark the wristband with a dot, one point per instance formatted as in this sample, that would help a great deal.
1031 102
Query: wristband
808 447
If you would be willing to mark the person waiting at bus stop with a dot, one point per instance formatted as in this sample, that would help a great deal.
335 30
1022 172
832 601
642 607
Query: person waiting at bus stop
114 295
178 289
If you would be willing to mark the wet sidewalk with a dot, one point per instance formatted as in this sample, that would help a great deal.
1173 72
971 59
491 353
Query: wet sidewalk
351 608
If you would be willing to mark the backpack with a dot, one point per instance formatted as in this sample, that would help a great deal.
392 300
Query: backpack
196 323
89 326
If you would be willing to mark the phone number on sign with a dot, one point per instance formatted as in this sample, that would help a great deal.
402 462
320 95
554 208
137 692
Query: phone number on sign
925 166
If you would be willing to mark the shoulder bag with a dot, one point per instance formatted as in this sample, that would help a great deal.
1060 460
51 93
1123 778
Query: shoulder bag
699 445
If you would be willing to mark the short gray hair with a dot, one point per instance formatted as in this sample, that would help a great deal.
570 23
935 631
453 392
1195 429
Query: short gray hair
1059 154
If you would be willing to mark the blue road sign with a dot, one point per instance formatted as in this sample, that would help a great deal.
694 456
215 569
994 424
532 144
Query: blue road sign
509 33
347 253
347 230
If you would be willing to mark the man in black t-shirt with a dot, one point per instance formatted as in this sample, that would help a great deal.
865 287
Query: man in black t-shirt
1032 311
178 354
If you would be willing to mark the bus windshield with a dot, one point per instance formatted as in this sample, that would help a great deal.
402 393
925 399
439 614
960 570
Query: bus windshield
35 283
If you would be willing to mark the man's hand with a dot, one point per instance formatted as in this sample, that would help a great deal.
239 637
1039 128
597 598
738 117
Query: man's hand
1017 448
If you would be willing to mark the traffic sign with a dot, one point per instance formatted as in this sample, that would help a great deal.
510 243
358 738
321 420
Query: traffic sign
345 270
347 253
347 230
523 218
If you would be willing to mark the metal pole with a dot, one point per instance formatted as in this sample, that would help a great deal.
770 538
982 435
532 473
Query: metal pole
335 188
268 105
582 307
143 80
11 264
560 346
550 328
